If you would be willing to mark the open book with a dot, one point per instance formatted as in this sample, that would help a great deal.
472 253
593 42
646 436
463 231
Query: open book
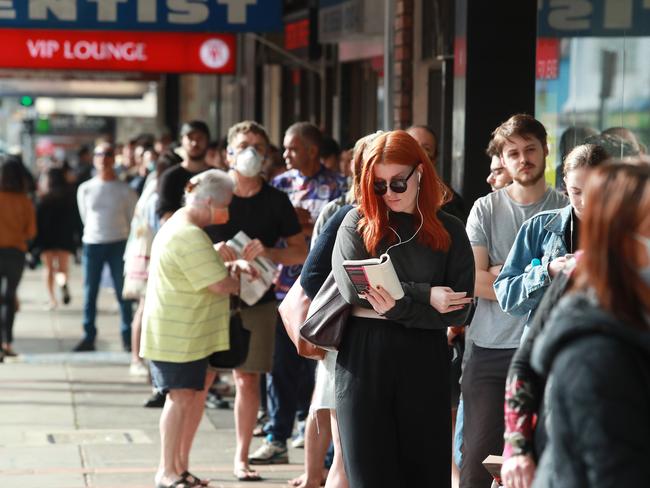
252 289
373 272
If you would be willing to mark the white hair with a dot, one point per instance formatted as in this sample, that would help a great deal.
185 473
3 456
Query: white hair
213 183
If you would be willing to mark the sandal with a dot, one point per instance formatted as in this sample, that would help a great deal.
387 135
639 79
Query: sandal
179 483
193 480
247 474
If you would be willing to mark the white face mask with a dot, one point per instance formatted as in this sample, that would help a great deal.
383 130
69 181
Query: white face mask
249 162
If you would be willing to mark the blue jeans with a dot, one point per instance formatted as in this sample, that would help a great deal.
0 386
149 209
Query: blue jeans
458 434
289 385
94 257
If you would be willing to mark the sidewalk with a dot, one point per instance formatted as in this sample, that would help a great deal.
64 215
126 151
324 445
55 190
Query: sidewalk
76 420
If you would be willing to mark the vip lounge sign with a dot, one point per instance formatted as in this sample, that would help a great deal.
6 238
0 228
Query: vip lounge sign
119 51
172 36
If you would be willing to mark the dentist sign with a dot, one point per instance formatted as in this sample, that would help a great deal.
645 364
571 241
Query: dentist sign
144 15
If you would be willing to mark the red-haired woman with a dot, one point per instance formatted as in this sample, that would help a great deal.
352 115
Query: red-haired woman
392 374
595 348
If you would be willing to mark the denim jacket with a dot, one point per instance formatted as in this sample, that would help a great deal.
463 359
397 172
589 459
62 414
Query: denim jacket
520 286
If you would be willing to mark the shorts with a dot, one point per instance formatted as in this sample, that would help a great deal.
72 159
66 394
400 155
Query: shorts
167 376
324 397
260 319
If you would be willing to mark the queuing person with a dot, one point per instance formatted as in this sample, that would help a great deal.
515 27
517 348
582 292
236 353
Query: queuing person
195 136
274 164
545 242
186 318
396 427
494 335
215 156
552 239
106 207
597 416
138 252
499 176
265 215
310 186
17 226
330 154
322 426
57 220
428 140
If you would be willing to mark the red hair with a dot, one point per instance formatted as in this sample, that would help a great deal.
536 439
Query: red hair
398 147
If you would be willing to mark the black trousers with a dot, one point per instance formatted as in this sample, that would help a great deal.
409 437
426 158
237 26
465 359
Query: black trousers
483 387
392 401
12 263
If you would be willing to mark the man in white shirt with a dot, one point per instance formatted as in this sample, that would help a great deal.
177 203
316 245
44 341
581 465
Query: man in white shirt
106 207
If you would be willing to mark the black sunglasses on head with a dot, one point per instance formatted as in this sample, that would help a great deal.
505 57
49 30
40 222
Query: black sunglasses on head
397 185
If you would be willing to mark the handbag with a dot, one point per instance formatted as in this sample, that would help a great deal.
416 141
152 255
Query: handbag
327 317
240 338
293 312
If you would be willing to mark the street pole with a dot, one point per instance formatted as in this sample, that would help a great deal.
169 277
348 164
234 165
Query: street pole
389 44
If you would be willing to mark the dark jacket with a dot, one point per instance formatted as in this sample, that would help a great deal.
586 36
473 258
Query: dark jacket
597 398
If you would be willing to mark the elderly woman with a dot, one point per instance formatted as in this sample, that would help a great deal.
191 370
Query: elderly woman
186 318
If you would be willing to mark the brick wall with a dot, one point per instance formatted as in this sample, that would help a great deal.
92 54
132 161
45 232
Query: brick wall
403 68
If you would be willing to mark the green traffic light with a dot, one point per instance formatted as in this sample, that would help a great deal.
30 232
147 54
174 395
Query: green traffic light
26 101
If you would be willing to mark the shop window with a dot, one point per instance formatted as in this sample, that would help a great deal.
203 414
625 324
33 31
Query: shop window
592 76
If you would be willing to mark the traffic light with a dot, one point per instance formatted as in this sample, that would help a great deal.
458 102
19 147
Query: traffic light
26 101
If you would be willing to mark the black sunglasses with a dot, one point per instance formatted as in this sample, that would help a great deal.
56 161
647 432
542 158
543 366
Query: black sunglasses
397 185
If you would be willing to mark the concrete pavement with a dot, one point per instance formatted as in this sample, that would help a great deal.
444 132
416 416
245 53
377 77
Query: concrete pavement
77 421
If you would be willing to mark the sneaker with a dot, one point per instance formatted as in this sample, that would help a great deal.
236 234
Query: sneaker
65 294
156 400
299 439
138 368
84 345
298 442
270 452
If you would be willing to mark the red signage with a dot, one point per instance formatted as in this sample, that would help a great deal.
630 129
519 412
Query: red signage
548 57
118 51
296 35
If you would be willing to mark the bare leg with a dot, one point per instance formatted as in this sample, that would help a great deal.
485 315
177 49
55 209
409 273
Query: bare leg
336 477
171 426
191 424
63 260
48 260
136 330
455 473
317 440
247 402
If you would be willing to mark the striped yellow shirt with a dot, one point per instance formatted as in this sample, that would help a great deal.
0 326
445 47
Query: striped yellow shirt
183 321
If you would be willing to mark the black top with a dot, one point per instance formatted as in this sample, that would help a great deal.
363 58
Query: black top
597 398
268 216
418 268
171 188
318 265
57 221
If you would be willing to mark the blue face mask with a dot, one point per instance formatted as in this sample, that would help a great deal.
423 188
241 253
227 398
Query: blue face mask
645 272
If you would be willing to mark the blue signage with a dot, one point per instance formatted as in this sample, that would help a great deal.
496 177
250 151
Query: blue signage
144 15
593 18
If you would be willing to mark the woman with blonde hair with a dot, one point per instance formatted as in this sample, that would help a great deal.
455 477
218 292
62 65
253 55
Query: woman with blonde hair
392 373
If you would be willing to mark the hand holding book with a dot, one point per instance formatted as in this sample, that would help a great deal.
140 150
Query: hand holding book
380 299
